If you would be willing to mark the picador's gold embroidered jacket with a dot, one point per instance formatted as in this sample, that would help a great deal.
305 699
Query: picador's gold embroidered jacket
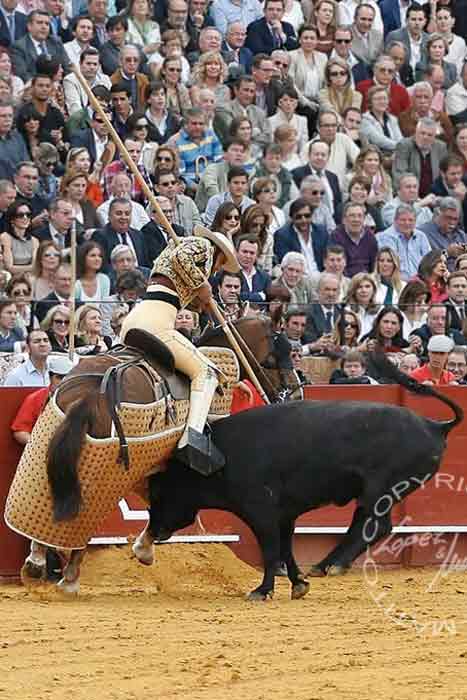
187 265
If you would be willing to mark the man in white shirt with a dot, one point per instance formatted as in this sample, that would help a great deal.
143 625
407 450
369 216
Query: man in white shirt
121 187
412 36
34 371
83 32
342 150
408 194
75 97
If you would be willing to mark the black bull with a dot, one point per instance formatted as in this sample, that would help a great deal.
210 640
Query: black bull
284 460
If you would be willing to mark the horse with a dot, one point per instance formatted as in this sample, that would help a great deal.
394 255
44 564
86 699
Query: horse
87 410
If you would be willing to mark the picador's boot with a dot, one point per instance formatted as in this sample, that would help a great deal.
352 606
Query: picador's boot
195 447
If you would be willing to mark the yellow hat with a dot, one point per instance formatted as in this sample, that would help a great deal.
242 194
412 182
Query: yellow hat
223 243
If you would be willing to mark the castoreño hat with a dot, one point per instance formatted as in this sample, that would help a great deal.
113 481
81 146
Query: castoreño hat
223 243
60 364
440 343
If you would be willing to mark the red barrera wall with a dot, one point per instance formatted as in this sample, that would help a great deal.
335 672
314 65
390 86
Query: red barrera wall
440 507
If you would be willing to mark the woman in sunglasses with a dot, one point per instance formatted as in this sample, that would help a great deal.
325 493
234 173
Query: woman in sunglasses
178 97
45 266
227 220
57 326
19 247
339 94
346 332
29 125
46 160
167 160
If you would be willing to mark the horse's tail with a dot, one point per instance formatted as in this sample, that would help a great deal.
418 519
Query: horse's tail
63 458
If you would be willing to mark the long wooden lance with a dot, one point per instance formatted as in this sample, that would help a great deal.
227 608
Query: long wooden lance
149 194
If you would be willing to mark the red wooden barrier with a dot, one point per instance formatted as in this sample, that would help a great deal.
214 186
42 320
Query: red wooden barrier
440 507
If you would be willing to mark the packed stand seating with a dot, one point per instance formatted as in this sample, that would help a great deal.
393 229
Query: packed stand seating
327 140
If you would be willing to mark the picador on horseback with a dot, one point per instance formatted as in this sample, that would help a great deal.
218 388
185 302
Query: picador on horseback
179 279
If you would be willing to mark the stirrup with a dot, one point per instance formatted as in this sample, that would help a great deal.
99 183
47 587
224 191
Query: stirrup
200 453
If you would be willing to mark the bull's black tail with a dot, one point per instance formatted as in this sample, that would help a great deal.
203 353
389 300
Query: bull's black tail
389 371
63 458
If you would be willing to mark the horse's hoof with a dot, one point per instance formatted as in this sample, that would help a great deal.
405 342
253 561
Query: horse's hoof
145 555
300 589
338 570
32 570
315 571
68 587
256 596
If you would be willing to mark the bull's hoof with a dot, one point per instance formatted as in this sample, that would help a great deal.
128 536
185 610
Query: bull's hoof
32 570
315 571
300 589
69 587
256 596
145 555
338 570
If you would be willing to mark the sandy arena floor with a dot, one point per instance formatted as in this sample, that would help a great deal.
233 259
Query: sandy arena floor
181 630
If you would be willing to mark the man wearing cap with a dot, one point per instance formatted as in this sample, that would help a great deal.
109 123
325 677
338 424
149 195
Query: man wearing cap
434 372
179 278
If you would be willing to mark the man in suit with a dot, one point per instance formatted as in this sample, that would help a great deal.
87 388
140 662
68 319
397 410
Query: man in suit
128 74
412 35
118 231
242 105
318 156
37 42
12 23
269 33
322 316
94 139
59 224
367 43
98 12
109 52
255 282
61 295
234 49
155 236
391 15
59 27
456 302
302 236
342 49
421 155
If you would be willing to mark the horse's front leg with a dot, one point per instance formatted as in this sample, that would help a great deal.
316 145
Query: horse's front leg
35 563
143 547
70 581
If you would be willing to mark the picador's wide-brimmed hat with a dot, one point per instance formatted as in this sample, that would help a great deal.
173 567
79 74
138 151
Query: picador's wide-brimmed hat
223 243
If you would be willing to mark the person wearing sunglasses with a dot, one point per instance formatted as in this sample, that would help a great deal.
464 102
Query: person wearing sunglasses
339 95
346 332
46 264
302 236
384 74
129 74
57 326
342 50
185 212
46 159
19 247
178 96
313 191
227 220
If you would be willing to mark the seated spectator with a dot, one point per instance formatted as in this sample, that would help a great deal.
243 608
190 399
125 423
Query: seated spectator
457 364
384 72
76 98
264 191
118 230
420 155
214 179
171 47
61 294
210 72
461 263
335 262
45 266
369 165
459 144
287 103
118 167
271 166
262 39
121 188
408 193
89 330
342 150
436 324
34 371
129 288
91 283
294 279
227 220
79 160
322 317
358 242
28 123
367 42
339 95
46 159
456 99
302 236
185 212
456 288
20 291
409 243
241 129
324 17
155 236
129 77
351 123
422 97
6 71
286 138
318 157
378 127
313 191
18 245
116 28
178 96
346 332
12 144
24 53
408 363
386 334
73 188
445 22
294 324
433 271
11 335
58 228
116 321
142 31
122 259
56 324
388 277
7 197
307 68
453 183
96 141
435 55
360 189
162 123
254 281
228 296
434 371
413 303
187 322
361 298
137 128
197 147
243 105
237 188
352 370
444 232
254 221
399 53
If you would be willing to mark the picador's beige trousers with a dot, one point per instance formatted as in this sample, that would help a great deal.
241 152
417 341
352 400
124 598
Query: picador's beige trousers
158 318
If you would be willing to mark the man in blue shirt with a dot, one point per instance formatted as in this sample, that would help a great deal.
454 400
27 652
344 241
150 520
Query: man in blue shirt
197 147
403 238
33 372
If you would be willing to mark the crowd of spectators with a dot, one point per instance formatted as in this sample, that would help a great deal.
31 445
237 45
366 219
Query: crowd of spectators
327 140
